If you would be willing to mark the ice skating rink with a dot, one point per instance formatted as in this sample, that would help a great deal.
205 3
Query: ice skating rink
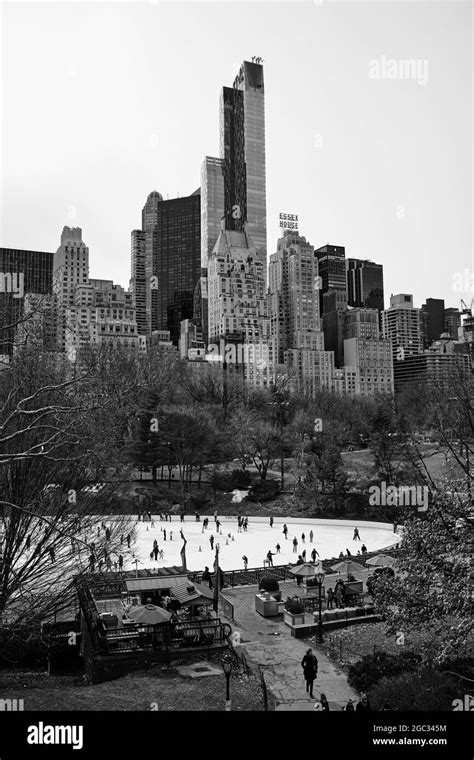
330 537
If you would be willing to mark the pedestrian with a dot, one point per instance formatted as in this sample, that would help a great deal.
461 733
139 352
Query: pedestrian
311 534
295 545
120 562
303 555
285 531
348 553
324 703
211 541
356 534
271 522
246 562
206 576
164 534
128 540
314 554
363 705
270 558
108 563
350 706
278 547
309 663
330 599
303 537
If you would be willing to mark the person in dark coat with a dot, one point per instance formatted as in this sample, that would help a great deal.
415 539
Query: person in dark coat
350 706
206 576
324 703
330 599
309 663
285 531
363 705
211 541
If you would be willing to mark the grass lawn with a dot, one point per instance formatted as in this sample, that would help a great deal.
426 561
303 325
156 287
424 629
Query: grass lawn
350 644
161 685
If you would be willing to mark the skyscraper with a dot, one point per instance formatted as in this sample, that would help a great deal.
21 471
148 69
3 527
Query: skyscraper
367 353
21 273
432 314
364 284
166 262
332 271
234 185
401 323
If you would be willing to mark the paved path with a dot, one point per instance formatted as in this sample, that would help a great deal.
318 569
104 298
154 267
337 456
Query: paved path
268 643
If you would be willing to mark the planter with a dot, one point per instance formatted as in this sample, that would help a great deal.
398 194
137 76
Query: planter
266 607
293 618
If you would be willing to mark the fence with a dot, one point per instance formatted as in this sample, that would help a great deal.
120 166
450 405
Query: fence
227 608
250 577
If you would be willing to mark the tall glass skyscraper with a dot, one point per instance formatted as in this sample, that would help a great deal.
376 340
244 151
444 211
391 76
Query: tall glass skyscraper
166 257
234 185
364 284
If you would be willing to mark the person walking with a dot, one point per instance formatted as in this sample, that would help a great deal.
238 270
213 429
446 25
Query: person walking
363 705
314 554
211 541
295 545
270 558
309 663
271 522
311 534
356 536
324 703
278 547
128 540
330 599
246 561
285 531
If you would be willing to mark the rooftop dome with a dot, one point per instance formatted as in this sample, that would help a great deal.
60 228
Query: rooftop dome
155 194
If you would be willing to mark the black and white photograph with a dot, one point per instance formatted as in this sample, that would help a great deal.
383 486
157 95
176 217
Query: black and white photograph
236 377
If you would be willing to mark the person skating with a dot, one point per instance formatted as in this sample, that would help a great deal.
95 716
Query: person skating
311 535
309 663
303 537
303 554
270 558
314 554
211 541
356 536
285 531
246 562
164 534
278 547
295 545
271 522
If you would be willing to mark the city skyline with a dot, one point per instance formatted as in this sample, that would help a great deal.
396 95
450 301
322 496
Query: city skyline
311 167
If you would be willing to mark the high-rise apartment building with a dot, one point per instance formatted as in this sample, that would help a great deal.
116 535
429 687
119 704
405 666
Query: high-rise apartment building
369 355
166 262
21 273
364 284
233 186
401 323
239 327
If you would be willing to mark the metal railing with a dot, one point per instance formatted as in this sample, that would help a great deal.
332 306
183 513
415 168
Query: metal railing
164 637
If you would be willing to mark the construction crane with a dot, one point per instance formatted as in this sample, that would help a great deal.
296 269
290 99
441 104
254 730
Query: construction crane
465 309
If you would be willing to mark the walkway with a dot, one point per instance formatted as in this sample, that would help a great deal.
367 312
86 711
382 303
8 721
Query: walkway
268 644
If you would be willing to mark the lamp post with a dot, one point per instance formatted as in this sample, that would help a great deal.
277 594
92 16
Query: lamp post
320 579
227 668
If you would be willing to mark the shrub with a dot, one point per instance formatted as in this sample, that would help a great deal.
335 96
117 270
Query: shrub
266 490
365 673
227 481
420 690
269 583
240 479
294 605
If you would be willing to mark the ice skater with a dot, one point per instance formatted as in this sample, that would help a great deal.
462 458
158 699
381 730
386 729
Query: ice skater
295 545
246 562
285 531
356 536
311 534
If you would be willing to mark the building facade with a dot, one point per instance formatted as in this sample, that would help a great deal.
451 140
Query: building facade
364 284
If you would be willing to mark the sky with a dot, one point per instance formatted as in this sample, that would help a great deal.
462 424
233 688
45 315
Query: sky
103 102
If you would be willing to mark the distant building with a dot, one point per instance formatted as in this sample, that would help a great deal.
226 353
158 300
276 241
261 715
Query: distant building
212 204
332 270
401 324
166 262
432 320
364 284
367 354
452 321
21 272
